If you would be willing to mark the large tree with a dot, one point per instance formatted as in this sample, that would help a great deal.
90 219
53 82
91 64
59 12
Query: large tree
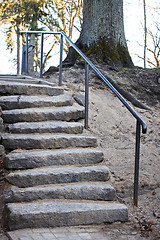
102 34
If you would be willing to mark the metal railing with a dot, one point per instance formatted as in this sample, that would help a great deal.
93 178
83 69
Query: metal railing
139 122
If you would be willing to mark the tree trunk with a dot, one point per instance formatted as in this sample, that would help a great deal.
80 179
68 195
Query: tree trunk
102 35
18 54
19 49
34 27
145 34
31 51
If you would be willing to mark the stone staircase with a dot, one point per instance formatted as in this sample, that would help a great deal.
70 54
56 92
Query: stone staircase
57 175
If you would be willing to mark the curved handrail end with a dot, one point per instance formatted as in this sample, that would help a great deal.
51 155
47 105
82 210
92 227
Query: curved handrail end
144 128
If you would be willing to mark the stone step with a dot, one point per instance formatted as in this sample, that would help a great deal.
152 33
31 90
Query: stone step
81 190
46 141
18 102
12 88
54 175
23 159
43 114
46 127
52 213
25 79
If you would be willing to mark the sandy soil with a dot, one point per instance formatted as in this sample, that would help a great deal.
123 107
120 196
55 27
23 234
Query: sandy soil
115 129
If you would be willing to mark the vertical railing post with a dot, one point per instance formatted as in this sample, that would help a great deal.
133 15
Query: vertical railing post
60 60
41 62
21 52
26 67
86 94
18 53
136 170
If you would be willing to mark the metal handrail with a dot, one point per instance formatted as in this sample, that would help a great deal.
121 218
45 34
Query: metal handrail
144 127
106 79
42 41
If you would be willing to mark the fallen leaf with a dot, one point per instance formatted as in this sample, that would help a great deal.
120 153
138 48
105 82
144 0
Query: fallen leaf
142 228
2 160
154 193
151 223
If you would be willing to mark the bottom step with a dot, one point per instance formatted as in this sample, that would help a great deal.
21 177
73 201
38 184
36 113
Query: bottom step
52 213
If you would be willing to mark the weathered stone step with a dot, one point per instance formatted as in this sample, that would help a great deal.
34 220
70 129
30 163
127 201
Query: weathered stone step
46 141
81 190
12 88
50 213
24 79
46 127
23 159
53 175
18 102
43 114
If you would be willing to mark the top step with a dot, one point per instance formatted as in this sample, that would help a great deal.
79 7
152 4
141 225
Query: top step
23 79
13 88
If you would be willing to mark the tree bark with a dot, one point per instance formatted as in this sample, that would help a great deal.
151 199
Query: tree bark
145 34
102 19
102 35
19 49
18 54
31 52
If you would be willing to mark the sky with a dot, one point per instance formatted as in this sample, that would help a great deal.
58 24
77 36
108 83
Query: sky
133 20
134 26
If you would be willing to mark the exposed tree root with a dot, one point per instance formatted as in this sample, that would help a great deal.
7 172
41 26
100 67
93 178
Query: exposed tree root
126 94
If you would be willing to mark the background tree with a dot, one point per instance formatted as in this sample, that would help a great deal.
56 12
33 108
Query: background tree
54 15
151 55
155 50
64 16
19 14
145 33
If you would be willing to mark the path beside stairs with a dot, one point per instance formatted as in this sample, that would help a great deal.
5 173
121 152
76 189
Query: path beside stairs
57 175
